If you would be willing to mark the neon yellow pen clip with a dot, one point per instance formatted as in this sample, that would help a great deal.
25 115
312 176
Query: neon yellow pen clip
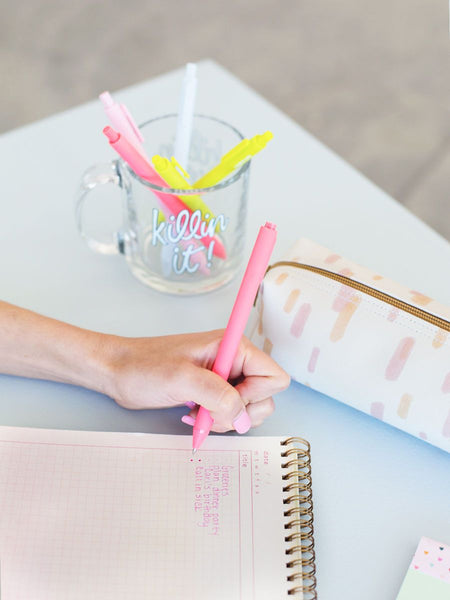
169 170
233 159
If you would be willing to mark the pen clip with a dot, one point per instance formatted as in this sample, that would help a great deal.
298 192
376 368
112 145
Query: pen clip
176 165
132 122
235 152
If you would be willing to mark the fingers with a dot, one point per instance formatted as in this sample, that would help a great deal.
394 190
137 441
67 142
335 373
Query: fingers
222 400
249 402
259 411
188 419
262 376
255 413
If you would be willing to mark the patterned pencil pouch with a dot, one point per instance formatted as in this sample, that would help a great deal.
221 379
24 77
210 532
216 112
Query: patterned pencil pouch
359 338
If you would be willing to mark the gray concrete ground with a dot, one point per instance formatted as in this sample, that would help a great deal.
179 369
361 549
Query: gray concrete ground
370 78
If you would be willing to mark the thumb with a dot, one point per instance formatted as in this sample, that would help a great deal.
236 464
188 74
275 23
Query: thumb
222 400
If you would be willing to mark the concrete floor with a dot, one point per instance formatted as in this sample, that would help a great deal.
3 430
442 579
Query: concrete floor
369 78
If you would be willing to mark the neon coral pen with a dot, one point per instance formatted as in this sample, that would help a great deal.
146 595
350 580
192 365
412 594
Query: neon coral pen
171 203
256 268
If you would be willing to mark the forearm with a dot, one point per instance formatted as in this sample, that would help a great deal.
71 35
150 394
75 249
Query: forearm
35 346
142 373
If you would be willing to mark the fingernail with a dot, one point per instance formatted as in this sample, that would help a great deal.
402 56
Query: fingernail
242 423
188 420
190 404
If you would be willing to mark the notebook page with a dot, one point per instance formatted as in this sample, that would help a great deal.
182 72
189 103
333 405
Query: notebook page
93 515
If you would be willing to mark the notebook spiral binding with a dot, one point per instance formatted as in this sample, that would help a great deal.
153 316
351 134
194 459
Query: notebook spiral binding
298 511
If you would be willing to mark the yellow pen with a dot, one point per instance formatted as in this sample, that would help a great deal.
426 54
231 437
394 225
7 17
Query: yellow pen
234 158
170 172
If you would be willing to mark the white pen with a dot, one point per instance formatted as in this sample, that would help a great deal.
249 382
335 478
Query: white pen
186 115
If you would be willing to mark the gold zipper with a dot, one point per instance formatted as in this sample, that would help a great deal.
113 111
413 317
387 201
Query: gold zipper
366 289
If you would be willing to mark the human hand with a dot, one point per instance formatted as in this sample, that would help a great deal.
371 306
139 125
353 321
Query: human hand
174 370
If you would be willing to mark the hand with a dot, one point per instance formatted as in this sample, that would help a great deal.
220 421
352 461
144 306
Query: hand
175 370
142 372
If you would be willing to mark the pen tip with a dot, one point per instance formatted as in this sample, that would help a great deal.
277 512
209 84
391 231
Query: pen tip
106 99
191 69
194 450
112 135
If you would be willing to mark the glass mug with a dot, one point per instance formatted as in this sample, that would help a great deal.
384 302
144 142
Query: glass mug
184 253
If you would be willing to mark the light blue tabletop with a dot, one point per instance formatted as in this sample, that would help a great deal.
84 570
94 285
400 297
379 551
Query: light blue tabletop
376 490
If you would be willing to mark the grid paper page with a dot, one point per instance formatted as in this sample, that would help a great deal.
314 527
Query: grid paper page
93 515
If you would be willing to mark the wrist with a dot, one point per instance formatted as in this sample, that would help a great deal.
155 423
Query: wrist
96 362
76 356
111 361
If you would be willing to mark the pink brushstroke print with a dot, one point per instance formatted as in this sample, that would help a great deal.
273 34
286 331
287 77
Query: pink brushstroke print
377 410
399 358
313 359
300 319
446 384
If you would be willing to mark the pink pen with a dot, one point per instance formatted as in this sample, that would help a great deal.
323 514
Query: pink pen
121 119
256 268
171 204
140 165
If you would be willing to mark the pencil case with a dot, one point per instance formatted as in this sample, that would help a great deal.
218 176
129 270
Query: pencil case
360 338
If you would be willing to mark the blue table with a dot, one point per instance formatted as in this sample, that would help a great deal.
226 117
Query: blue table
376 490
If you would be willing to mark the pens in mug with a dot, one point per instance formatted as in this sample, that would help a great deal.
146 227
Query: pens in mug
172 204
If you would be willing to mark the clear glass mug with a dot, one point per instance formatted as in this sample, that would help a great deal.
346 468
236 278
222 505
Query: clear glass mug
179 254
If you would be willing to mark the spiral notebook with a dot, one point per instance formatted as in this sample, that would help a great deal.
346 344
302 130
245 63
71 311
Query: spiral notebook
94 515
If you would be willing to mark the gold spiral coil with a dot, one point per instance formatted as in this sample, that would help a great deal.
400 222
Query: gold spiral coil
302 523
295 451
299 535
296 440
303 562
301 496
306 471
302 547
310 570
299 514
295 462
308 592
303 510
301 487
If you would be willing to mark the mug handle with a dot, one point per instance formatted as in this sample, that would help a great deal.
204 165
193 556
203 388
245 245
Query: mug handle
97 175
